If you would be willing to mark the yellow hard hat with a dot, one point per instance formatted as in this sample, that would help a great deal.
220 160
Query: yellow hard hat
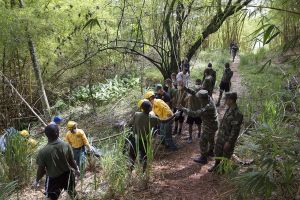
32 142
148 94
24 133
71 124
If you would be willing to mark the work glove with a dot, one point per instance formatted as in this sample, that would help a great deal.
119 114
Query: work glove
181 108
177 113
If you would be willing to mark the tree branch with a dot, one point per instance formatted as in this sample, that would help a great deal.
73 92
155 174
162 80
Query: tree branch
216 23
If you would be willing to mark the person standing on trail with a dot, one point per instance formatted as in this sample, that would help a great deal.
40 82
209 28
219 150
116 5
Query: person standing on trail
185 65
234 50
209 71
230 46
229 130
179 99
183 76
78 141
225 82
142 124
161 94
194 105
57 161
174 80
163 112
209 116
170 90
208 85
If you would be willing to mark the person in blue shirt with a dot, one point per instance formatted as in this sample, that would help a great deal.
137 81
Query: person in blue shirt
57 120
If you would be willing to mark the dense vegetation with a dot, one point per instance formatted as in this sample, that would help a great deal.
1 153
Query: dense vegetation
91 61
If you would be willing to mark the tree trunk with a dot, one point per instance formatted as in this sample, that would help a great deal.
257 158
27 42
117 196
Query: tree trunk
39 79
37 72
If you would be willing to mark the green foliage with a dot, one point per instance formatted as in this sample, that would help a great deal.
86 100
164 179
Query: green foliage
218 58
115 168
59 105
104 93
17 161
7 189
226 166
272 139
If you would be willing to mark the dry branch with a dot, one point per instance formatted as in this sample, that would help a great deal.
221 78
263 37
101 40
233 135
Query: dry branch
21 97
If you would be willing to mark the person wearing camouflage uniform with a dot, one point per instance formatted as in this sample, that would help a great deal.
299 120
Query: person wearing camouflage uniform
208 84
208 114
210 71
179 99
225 82
193 104
229 129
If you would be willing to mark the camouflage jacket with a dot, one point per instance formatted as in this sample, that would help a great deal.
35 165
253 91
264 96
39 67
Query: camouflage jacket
193 102
209 116
208 84
179 98
227 74
231 124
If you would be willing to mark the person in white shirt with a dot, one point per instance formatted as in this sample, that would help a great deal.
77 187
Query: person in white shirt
184 77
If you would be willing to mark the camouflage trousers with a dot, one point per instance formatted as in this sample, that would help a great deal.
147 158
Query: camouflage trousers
219 147
207 141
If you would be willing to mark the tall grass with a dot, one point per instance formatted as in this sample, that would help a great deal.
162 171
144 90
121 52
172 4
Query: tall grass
17 163
144 174
7 189
272 139
115 168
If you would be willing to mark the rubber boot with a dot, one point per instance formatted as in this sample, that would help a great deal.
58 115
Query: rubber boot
201 160
215 167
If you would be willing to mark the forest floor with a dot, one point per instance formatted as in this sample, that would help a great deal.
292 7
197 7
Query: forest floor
177 176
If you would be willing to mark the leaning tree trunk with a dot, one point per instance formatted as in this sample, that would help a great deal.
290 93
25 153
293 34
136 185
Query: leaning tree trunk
37 72
39 79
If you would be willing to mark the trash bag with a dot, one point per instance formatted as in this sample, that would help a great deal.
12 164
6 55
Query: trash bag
6 134
95 152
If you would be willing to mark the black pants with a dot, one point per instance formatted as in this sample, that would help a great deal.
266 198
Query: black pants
54 186
138 148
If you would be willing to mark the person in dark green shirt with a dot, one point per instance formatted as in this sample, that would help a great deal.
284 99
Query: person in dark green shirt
142 124
57 161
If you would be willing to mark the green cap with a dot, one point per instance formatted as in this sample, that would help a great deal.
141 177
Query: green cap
158 87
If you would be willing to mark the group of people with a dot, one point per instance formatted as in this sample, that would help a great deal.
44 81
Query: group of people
61 159
172 103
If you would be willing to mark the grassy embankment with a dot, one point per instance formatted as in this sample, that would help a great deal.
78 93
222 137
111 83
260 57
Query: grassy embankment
272 115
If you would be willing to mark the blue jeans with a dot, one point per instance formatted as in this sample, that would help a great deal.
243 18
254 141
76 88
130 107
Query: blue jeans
79 157
166 132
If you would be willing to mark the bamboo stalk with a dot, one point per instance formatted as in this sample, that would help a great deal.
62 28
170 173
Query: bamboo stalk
27 104
106 138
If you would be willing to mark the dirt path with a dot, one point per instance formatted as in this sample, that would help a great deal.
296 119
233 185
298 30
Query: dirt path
176 176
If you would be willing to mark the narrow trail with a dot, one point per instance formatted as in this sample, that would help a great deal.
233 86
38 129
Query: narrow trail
177 176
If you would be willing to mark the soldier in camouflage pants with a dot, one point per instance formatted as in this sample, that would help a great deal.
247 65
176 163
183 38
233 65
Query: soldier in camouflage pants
208 114
229 129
